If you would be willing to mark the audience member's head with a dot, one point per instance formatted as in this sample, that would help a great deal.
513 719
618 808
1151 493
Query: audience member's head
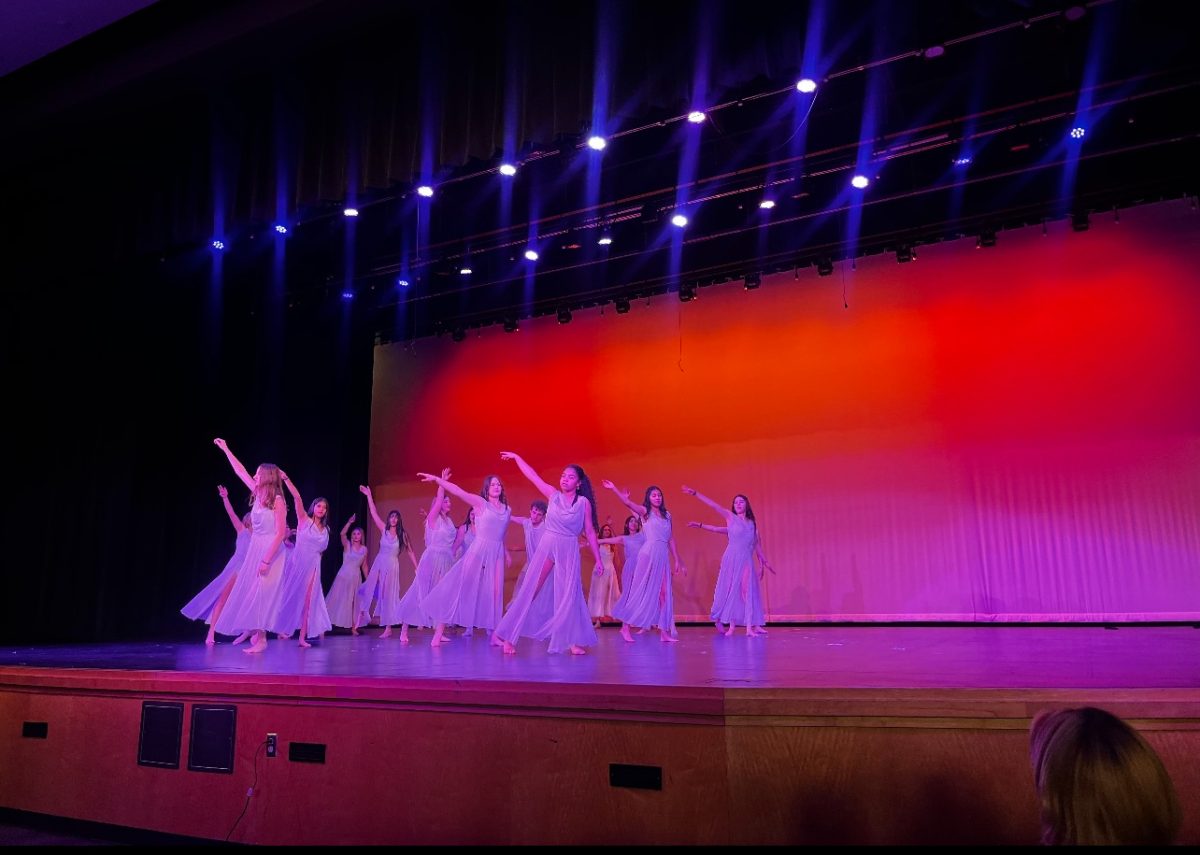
1099 781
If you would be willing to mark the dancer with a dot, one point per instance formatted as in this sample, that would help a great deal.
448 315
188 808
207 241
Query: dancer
250 603
207 605
343 594
737 596
383 582
301 601
437 558
465 535
571 510
471 593
533 528
605 590
648 600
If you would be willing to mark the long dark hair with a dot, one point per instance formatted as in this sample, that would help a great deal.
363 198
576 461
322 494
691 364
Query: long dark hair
467 519
487 482
585 489
647 505
312 506
401 534
629 519
749 510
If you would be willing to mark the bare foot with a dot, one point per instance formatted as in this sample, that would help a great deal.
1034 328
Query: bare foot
641 631
761 630
662 636
387 633
303 643
729 632
438 640
210 640
720 626
509 648
467 632
283 637
625 634
241 638
576 650
404 638
493 641
354 630
258 647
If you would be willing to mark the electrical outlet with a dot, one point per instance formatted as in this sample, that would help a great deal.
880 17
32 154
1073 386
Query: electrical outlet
272 743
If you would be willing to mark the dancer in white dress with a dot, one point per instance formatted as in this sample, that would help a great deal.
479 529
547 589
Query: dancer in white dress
737 596
533 528
464 536
605 590
250 603
301 600
471 594
208 604
383 582
436 560
571 511
343 593
648 600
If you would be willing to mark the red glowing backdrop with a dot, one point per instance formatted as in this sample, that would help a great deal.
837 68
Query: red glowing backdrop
1008 433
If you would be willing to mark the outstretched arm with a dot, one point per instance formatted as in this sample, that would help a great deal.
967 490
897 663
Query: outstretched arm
472 499
238 468
719 529
527 470
346 528
379 523
233 518
725 512
610 541
436 506
301 511
623 495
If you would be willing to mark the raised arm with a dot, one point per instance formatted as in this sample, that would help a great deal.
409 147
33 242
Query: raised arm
379 523
623 495
238 468
435 507
346 528
233 517
719 529
473 499
301 511
527 470
725 512
590 532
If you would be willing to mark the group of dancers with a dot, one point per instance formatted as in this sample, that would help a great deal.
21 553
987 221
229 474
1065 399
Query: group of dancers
267 587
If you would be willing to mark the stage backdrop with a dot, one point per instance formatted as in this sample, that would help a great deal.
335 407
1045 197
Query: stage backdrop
1008 433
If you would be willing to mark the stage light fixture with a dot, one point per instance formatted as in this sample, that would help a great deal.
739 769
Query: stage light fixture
696 117
218 245
508 169
281 229
622 305
597 143
402 282
350 212
860 182
766 204
825 266
1078 132
933 52
347 294
962 161
425 190
806 85
605 240
1074 13
687 293
1080 221
531 254
904 253
987 237
510 324
564 316
679 221
753 280
465 270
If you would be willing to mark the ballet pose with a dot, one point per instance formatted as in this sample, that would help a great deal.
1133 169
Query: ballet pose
383 582
435 561
301 601
208 604
343 593
471 594
737 597
648 600
254 596
571 511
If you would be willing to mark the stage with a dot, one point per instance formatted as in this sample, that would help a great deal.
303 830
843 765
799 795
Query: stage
835 734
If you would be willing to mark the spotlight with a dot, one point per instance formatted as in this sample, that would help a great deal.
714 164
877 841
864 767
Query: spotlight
933 52
281 229
806 85
1079 221
622 305
597 143
767 204
508 169
403 283
904 253
687 293
1074 13
347 294
350 212
425 190
1078 132
860 182
605 240
510 324
825 266
465 270
961 161
987 237
218 245
531 254
564 316
679 221
696 117
753 280
459 334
